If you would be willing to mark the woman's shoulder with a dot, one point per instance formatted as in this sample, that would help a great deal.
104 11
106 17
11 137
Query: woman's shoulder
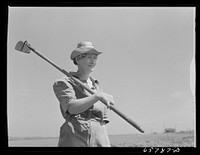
63 81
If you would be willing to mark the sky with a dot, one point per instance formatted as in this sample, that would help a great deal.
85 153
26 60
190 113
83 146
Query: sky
147 65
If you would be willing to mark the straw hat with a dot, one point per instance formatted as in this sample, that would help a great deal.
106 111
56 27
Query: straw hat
82 48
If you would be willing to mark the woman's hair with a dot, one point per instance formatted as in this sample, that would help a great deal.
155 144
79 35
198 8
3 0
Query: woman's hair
78 57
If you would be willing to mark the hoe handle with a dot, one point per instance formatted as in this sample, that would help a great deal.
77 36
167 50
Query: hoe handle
88 89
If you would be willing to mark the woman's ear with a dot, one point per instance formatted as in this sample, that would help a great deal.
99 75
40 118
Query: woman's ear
76 60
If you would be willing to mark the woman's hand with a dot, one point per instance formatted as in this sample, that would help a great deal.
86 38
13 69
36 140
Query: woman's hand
106 98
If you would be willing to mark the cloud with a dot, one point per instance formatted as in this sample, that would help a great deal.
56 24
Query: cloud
177 94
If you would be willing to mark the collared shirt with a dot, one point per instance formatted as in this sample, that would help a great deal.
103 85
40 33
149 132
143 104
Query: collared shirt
87 128
67 90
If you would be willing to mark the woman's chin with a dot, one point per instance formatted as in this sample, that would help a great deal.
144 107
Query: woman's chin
91 69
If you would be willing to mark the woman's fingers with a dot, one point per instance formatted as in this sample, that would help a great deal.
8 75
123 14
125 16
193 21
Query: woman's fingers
106 98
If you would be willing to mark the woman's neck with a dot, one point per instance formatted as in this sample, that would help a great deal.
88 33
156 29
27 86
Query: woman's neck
83 75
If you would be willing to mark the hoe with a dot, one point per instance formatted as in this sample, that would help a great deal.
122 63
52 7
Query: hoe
26 48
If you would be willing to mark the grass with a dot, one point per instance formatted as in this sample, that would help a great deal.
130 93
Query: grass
154 140
181 139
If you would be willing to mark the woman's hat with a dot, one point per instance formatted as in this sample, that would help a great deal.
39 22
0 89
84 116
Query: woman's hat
82 48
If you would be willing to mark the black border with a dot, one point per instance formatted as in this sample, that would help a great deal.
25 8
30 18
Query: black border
73 3
65 3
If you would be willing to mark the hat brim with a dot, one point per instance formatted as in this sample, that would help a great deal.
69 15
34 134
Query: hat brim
80 51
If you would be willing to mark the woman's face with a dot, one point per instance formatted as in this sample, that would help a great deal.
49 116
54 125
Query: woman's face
87 61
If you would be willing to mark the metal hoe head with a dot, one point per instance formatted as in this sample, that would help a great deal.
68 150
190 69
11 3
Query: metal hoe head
23 47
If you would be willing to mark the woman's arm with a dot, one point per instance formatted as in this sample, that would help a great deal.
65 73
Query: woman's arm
80 105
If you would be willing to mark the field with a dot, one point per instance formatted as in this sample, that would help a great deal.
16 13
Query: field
154 140
181 139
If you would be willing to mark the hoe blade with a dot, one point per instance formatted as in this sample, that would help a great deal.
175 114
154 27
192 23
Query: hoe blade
22 47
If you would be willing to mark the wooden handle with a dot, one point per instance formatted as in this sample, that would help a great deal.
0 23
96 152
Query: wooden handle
111 106
88 89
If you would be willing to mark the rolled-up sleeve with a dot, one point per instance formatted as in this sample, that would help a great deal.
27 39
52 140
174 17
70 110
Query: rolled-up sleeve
64 93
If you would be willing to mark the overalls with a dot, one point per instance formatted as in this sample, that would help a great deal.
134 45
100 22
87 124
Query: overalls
87 129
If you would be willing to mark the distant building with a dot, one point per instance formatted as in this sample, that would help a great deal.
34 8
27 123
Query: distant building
170 130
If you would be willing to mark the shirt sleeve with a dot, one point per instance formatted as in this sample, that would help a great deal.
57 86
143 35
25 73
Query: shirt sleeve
64 93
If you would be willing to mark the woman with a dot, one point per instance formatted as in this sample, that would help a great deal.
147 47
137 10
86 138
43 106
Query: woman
85 115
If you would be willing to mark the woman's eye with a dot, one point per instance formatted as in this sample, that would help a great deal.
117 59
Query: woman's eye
91 56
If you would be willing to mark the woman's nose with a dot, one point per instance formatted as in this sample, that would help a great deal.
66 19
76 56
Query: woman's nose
92 60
